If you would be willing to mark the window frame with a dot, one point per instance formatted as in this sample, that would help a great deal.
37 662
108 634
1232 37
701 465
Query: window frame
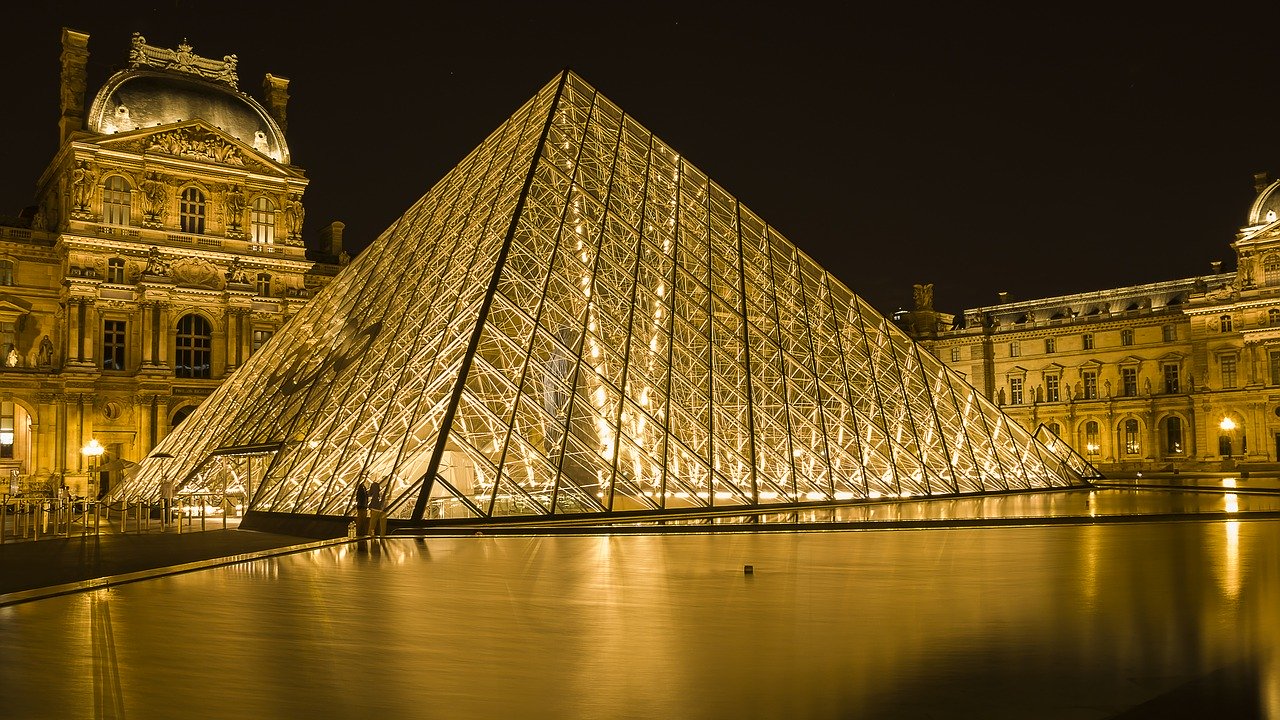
262 221
1087 341
193 351
115 344
192 204
117 202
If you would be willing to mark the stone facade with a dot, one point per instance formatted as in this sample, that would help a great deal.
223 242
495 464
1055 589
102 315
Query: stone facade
1176 375
165 246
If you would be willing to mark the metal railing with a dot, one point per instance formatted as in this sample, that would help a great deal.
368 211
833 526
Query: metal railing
37 518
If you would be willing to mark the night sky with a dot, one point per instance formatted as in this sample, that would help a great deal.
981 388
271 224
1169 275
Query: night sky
1037 154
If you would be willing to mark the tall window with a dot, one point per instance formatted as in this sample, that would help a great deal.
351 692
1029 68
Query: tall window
115 271
113 344
1228 372
1091 437
116 205
1126 337
1273 317
1054 428
264 284
260 338
6 272
1090 378
1051 393
1088 341
1224 323
955 354
1171 380
1173 435
1274 357
1170 333
193 351
1015 391
6 430
1129 381
1050 345
1015 349
1271 270
191 211
264 221
1130 430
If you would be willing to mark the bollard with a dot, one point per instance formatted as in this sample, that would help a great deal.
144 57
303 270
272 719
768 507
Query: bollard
180 514
4 515
204 502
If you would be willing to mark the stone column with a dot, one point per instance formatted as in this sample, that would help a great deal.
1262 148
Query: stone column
75 56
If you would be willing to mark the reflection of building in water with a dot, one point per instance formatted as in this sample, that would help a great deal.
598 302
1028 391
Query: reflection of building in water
125 291
577 320
1176 374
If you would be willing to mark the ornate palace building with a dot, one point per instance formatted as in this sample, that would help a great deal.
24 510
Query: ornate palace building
1176 375
164 247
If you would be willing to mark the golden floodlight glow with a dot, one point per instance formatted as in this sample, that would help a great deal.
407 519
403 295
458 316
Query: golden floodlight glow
1227 424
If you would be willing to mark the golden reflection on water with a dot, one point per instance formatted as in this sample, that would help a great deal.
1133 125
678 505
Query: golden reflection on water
1013 622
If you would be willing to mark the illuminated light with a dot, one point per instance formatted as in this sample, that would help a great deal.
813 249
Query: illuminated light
768 495
904 494
1232 503
6 438
681 495
1228 482
595 351
1227 424
844 495
874 494
813 495
722 495
662 289
704 495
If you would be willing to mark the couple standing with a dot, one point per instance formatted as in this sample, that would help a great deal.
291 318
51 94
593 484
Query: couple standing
371 512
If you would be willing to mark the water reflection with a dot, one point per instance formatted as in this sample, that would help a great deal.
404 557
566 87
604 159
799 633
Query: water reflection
1059 621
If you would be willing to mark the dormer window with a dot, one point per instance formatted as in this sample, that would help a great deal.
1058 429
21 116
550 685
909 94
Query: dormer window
116 203
264 221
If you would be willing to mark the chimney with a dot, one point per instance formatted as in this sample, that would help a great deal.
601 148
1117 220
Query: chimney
75 55
331 238
1004 297
275 90
1217 266
1260 181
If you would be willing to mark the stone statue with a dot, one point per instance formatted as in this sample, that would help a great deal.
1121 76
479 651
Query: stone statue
236 273
344 258
1147 385
235 207
12 359
294 213
82 178
155 263
45 356
1106 384
923 296
153 196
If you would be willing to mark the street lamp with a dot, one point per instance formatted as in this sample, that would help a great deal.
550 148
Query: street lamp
92 452
1092 448
1227 424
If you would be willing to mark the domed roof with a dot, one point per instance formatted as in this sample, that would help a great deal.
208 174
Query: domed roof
137 99
1267 207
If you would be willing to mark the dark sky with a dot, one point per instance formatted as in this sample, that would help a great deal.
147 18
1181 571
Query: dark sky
1037 153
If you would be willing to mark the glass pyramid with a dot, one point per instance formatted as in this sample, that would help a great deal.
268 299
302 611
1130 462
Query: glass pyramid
577 320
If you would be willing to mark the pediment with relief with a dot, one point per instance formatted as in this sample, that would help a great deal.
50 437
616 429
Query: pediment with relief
194 141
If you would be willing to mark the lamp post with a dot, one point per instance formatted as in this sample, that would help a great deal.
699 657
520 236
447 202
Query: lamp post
166 491
1092 449
92 452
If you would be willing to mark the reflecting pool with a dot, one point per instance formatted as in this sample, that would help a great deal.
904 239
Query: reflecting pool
1075 621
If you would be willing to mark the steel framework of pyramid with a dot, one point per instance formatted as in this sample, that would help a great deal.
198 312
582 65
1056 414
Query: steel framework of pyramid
577 320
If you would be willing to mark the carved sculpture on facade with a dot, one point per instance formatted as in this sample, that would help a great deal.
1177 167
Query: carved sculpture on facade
344 258
156 264
196 272
44 358
294 214
923 295
236 273
154 197
83 176
183 60
235 209
193 142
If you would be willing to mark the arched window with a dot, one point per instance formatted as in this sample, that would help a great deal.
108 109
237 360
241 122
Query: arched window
1091 446
1225 323
1173 436
116 205
1129 429
264 284
264 221
181 415
193 348
115 271
1271 270
6 272
1054 428
191 211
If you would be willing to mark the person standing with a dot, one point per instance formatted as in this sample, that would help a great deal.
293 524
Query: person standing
377 515
166 498
362 509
